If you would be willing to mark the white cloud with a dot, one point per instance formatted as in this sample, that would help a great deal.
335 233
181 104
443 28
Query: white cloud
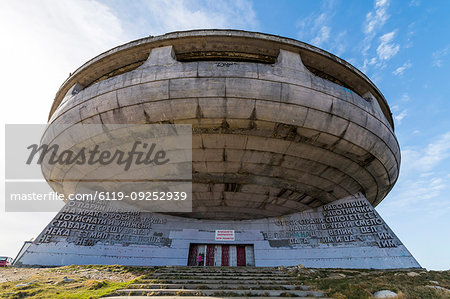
405 97
426 159
438 56
426 174
414 3
46 41
339 43
373 23
411 31
322 36
387 49
436 152
418 192
315 29
376 19
422 180
399 117
399 71
367 63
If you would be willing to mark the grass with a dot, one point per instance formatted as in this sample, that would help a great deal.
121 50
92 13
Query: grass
52 284
76 289
109 268
364 283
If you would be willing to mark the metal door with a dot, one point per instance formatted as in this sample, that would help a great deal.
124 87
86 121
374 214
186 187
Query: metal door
241 256
225 255
210 255
193 255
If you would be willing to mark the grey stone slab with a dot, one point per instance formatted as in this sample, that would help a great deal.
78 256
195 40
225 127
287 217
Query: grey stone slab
239 107
253 89
350 112
173 71
129 78
183 108
267 110
325 122
213 107
99 104
197 87
300 95
292 114
145 92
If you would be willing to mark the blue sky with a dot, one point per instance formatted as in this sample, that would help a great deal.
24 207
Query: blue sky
402 46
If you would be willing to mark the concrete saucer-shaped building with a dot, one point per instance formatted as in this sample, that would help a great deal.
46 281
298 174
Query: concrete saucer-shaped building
292 148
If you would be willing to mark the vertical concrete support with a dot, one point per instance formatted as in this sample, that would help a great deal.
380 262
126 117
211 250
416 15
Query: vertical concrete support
218 256
250 255
290 60
160 56
233 256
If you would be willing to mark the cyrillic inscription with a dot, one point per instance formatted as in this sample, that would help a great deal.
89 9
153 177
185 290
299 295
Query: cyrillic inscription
337 224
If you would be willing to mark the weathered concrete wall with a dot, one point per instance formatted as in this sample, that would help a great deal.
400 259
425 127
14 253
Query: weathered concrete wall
268 139
348 233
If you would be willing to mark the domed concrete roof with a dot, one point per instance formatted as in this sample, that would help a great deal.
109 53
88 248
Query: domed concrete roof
279 126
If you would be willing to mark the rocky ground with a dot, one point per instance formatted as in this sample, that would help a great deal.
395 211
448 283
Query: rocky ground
98 281
66 282
349 283
113 273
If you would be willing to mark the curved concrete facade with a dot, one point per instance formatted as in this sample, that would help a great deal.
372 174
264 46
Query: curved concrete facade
279 126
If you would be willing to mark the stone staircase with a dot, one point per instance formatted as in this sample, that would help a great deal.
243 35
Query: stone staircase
219 282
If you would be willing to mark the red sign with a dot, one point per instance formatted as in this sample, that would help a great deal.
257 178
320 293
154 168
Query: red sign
224 235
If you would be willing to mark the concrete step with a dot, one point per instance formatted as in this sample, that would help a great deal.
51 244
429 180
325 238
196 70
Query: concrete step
219 273
201 286
201 297
219 269
220 292
223 277
217 281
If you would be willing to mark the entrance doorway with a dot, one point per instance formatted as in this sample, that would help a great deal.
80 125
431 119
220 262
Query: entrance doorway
221 255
